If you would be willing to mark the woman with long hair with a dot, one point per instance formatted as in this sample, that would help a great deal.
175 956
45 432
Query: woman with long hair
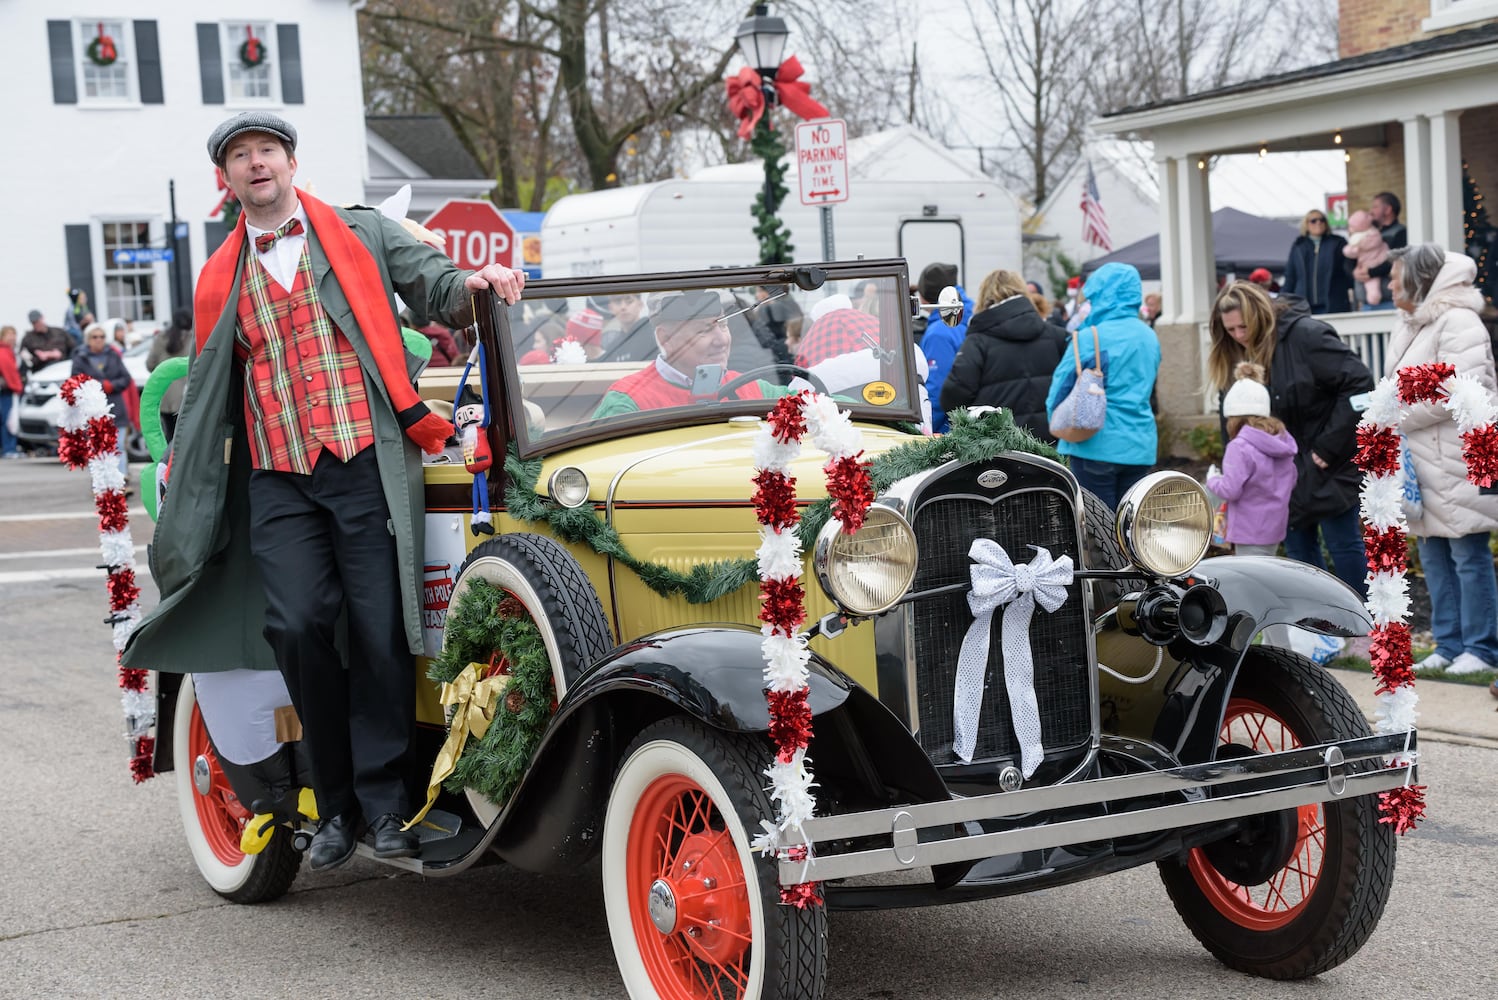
1313 377
1439 321
1007 357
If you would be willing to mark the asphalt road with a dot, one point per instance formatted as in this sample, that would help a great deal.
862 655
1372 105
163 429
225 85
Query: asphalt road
99 896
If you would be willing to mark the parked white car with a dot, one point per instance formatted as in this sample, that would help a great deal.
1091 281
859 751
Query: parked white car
41 407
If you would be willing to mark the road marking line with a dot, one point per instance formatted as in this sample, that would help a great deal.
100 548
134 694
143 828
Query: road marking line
64 516
56 553
47 575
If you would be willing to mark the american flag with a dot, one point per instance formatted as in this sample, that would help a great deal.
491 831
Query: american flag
1094 219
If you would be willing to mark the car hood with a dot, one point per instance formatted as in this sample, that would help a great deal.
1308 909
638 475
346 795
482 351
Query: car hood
59 371
697 466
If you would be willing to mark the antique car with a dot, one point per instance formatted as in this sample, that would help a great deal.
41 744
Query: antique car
610 546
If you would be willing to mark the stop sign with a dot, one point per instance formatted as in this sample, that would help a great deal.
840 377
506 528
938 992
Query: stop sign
474 233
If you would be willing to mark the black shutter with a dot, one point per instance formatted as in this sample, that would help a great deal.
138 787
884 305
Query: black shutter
148 61
64 72
81 262
214 234
210 64
289 42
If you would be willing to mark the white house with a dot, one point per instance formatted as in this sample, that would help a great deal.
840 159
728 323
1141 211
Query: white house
1283 186
98 143
424 152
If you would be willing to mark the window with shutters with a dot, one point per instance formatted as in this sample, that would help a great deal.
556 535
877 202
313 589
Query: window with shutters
250 75
105 71
129 289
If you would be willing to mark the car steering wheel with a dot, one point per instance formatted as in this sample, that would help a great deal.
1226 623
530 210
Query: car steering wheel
744 378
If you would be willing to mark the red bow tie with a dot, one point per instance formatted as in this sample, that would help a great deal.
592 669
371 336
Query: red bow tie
265 241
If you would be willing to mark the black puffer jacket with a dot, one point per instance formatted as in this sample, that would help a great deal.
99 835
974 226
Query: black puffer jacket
1312 379
1007 360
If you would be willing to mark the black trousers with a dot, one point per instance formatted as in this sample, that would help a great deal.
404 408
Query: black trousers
324 544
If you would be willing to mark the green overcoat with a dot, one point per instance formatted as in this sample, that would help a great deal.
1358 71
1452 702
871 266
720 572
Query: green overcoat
212 610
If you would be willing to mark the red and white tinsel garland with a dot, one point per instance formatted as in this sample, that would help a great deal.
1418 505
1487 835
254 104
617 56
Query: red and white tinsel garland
89 439
776 446
1385 535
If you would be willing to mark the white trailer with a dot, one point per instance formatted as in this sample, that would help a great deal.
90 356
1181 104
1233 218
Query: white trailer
908 197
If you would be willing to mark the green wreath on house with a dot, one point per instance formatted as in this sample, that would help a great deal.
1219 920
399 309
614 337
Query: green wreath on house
101 51
252 52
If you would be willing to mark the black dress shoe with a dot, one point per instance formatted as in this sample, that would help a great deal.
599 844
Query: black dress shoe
333 844
390 841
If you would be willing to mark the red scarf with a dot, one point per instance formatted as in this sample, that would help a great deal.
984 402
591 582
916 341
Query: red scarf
359 277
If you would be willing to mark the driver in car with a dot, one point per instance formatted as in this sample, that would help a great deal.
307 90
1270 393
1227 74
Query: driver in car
693 340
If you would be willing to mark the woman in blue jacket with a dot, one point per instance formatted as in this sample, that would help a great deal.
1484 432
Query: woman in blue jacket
1123 452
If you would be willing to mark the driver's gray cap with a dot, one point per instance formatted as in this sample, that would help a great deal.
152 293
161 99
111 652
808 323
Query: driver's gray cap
249 121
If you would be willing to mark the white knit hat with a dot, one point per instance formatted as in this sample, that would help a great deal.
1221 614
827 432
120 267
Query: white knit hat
1248 396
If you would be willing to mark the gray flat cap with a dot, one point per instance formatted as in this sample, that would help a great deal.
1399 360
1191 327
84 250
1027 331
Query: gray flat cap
249 121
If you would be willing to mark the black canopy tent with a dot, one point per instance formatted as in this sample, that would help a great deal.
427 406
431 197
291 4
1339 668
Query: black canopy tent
1242 241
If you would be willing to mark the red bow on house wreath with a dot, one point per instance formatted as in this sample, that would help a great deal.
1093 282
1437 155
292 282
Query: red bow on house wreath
746 97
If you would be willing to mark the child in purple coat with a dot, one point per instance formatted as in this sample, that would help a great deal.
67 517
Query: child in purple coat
1258 467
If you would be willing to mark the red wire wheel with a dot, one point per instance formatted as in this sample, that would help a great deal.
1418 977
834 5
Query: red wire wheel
681 851
1311 882
1274 903
221 816
213 816
692 912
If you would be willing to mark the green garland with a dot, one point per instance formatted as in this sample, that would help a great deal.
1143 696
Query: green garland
969 440
486 620
774 239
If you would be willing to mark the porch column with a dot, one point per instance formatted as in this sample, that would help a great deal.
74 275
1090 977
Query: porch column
1198 263
1417 207
1169 172
1446 180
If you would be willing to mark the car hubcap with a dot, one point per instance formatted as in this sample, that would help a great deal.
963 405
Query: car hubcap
662 906
202 775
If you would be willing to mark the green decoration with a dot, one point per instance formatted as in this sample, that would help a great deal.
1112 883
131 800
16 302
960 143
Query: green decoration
774 239
1481 235
101 50
484 621
252 52
231 211
971 439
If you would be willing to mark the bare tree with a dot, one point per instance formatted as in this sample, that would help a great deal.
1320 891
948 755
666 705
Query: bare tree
1034 53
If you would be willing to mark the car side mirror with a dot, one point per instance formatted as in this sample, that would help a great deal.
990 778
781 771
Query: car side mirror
805 278
949 306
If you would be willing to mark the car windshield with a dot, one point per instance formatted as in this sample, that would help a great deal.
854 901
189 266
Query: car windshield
619 357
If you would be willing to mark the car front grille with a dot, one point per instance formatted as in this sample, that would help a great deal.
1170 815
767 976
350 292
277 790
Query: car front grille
946 523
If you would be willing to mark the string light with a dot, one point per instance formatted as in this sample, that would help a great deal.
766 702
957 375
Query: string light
1263 151
1201 164
1338 137
1346 156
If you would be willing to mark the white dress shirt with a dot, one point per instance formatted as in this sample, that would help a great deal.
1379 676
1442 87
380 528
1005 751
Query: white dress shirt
281 260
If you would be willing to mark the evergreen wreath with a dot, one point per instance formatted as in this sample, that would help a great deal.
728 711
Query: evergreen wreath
488 625
970 439
252 52
101 50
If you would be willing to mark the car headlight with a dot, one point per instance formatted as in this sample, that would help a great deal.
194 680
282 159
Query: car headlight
1164 523
868 571
568 486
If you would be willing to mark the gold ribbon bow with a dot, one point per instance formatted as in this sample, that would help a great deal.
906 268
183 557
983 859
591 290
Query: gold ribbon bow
473 701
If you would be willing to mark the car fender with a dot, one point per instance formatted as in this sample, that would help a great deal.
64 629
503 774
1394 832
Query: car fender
716 675
1259 591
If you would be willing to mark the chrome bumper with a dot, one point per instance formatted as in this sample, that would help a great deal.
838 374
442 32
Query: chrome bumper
1280 781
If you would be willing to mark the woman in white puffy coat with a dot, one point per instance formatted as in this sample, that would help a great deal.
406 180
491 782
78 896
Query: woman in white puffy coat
1439 322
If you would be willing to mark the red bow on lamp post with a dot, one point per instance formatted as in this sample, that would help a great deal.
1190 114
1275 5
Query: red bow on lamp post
746 95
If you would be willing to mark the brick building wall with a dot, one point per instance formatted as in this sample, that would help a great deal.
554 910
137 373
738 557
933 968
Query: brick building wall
1370 25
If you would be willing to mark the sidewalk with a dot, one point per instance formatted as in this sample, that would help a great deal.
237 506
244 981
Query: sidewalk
1448 712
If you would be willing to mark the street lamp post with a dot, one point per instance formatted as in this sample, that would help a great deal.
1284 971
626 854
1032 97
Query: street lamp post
761 40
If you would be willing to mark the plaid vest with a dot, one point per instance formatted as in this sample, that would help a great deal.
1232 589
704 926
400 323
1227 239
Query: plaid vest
304 388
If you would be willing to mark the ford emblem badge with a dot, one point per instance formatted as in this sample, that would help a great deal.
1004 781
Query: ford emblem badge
991 478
